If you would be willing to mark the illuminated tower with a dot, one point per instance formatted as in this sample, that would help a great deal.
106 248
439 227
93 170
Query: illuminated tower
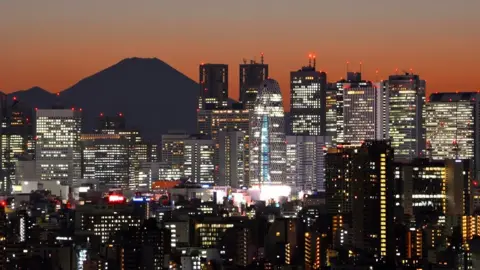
363 111
251 76
452 127
58 150
406 100
213 86
360 196
267 137
308 100
16 140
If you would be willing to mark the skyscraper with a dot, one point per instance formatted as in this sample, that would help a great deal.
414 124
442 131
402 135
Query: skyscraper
232 158
58 150
251 76
308 100
360 195
363 111
213 86
406 100
16 140
305 162
452 127
105 157
199 160
353 79
331 110
267 136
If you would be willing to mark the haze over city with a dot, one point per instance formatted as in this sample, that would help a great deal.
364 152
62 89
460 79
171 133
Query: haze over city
54 44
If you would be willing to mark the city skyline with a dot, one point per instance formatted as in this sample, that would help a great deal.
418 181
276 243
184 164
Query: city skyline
39 50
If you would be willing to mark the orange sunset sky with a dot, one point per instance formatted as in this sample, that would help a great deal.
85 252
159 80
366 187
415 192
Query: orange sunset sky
53 44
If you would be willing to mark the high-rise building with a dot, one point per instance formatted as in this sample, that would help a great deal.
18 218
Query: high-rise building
199 160
251 76
423 187
308 101
58 150
305 162
360 197
16 141
105 157
231 157
110 124
452 127
352 78
331 110
213 86
406 95
363 112
267 136
212 122
173 152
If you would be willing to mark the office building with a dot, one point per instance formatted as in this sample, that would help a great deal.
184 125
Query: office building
173 150
331 110
360 197
451 126
363 112
406 100
104 219
308 101
251 76
199 160
105 157
232 158
305 162
213 80
267 137
16 141
423 185
111 124
212 122
352 79
58 150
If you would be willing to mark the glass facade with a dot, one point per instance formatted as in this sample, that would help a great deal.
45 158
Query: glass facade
362 113
406 100
451 124
267 137
58 150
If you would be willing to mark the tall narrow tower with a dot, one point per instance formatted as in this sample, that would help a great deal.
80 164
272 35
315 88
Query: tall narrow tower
267 137
308 100
213 86
251 76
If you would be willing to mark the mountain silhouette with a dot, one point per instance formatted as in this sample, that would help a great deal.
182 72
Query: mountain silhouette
153 96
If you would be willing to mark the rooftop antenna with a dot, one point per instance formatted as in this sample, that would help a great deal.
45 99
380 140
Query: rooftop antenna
261 58
314 61
396 71
310 60
360 66
244 61
348 63
376 75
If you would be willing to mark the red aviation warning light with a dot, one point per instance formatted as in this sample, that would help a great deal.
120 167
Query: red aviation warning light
14 98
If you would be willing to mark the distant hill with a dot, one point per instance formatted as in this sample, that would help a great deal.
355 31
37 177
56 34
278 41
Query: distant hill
153 96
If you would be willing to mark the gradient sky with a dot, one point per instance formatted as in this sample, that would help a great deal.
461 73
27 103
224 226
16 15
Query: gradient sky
53 44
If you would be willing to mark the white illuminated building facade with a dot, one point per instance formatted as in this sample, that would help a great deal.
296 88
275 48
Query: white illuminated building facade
267 137
58 150
199 160
305 162
364 112
451 125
